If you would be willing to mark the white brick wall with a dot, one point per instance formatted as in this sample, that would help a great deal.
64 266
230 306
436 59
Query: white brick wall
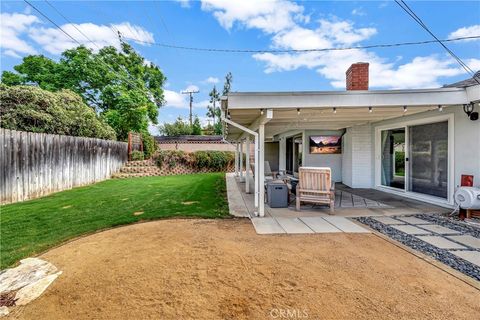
358 163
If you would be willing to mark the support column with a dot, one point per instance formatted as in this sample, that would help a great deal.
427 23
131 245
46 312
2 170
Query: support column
261 173
247 165
241 160
255 155
236 159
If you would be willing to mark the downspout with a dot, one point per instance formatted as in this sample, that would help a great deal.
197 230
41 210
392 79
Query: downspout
255 134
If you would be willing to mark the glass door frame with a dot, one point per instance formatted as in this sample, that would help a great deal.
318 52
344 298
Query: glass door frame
406 168
449 117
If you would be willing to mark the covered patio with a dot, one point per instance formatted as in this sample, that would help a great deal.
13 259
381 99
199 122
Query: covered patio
378 147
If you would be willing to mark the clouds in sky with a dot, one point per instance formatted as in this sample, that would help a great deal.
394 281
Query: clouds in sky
287 25
466 32
18 30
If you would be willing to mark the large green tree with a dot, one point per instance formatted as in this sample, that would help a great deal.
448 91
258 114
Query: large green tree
119 84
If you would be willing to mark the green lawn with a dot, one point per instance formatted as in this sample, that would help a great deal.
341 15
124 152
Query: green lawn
33 226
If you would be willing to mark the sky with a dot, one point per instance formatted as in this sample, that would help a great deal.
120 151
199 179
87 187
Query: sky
257 25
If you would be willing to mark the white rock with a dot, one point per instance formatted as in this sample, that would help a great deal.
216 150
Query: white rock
34 290
3 311
30 270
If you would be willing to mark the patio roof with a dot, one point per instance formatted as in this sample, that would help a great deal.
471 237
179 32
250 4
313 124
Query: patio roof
315 109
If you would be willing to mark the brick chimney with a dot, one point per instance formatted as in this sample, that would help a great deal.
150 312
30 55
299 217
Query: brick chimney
357 76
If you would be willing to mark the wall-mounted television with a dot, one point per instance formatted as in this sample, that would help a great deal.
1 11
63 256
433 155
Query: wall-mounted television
325 144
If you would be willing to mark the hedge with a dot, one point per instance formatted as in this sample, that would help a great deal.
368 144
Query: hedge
215 160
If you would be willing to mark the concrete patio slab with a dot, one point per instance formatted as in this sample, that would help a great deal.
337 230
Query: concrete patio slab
346 225
440 242
267 226
388 220
410 229
470 256
467 240
293 225
439 229
319 225
414 220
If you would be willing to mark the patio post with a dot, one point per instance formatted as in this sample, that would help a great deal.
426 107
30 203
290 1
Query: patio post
256 204
261 173
241 160
247 165
236 159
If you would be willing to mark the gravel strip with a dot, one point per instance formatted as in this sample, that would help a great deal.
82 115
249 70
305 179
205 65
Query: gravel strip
451 223
441 255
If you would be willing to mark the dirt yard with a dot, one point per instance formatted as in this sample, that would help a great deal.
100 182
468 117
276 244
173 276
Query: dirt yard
220 269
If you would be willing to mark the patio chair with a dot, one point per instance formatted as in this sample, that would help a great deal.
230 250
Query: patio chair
315 186
269 174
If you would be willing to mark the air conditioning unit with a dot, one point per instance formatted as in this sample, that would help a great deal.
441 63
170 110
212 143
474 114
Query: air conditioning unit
468 197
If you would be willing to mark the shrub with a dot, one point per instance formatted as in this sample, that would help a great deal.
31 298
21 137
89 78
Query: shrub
149 145
215 160
137 155
28 108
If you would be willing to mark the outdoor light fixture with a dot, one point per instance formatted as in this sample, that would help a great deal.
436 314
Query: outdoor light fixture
298 111
468 109
440 108
404 108
261 112
370 109
334 110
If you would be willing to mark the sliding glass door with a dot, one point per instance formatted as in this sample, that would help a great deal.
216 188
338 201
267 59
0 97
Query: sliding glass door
415 158
428 165
393 158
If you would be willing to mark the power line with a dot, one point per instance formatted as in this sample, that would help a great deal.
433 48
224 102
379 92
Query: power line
417 19
387 45
73 24
75 40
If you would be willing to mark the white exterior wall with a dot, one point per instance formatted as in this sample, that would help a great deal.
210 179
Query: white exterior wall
333 161
347 158
357 157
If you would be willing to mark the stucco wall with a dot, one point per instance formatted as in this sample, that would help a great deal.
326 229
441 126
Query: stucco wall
334 161
191 147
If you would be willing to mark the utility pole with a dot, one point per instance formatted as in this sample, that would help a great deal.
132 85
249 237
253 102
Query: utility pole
190 93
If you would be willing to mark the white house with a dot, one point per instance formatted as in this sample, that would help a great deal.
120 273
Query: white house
415 143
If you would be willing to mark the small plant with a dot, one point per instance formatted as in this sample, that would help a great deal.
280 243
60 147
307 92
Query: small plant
137 155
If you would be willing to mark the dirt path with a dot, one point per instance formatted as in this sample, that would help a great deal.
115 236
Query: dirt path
211 269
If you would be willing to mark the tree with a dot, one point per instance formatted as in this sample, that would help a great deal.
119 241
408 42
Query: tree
119 84
196 127
227 84
213 110
33 109
178 128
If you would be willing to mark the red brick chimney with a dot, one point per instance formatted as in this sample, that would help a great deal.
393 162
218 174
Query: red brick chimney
357 76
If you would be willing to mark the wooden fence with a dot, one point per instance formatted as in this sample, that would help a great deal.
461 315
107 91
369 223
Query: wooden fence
36 164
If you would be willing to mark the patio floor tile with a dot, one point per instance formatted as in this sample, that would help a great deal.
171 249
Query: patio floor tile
414 220
439 229
346 225
441 242
294 225
319 225
267 226
388 220
410 229
470 256
467 240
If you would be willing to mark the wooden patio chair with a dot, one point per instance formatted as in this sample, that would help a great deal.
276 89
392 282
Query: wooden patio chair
315 186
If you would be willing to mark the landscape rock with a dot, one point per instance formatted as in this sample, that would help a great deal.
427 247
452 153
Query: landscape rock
29 271
34 290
